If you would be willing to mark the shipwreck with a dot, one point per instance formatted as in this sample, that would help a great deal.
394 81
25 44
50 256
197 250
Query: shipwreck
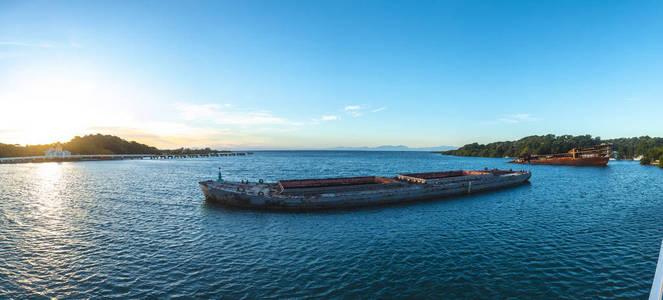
597 155
332 193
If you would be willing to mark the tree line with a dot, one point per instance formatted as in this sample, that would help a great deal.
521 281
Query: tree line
89 144
626 148
652 155
97 144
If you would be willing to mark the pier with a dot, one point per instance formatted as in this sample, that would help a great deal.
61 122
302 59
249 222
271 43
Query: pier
99 157
656 291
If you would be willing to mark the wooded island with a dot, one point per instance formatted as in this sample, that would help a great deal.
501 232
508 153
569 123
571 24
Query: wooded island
651 148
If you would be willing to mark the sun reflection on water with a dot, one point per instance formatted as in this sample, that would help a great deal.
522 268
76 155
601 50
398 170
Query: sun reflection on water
52 232
49 182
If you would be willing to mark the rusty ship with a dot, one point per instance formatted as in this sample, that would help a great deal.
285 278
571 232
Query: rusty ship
597 155
332 193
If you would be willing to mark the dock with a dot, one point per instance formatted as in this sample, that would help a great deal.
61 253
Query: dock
100 157
657 285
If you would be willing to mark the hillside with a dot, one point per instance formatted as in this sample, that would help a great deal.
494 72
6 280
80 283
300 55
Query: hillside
89 144
545 144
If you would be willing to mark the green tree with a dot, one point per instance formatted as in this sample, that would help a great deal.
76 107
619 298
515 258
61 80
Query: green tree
626 148
89 144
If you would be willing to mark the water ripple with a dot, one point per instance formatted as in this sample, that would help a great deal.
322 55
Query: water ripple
141 229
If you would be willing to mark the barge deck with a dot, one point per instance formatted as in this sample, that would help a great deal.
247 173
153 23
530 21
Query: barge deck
332 193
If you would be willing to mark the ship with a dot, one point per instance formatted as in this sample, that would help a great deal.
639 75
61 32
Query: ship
597 155
348 192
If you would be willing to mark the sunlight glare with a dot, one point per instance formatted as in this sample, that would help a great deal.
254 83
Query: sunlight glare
54 105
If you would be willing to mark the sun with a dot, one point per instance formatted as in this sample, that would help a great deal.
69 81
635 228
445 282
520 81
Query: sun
55 104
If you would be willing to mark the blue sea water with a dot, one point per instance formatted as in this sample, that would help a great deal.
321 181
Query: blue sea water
136 229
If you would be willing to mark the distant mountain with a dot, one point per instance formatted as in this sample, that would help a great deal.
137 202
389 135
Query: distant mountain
396 148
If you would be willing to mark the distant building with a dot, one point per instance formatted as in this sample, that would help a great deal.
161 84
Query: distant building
57 152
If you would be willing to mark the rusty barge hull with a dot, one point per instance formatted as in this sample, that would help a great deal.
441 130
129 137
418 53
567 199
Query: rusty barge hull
567 161
338 193
597 155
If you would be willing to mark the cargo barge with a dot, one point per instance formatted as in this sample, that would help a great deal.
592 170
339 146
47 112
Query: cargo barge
598 155
333 193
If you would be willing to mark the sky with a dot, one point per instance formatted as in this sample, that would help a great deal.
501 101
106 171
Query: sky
321 74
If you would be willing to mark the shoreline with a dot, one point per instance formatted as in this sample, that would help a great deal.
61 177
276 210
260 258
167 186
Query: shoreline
105 157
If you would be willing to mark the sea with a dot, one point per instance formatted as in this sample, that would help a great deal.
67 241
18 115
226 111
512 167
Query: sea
142 229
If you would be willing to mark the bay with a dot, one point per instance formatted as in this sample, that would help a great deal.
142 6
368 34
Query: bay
141 228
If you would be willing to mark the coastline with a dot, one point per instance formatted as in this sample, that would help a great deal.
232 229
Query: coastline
103 157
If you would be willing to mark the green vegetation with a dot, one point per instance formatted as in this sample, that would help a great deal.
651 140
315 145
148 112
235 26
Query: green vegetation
652 155
626 148
97 144
89 144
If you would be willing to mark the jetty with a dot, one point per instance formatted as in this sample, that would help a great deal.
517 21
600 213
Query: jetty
657 285
100 157
334 193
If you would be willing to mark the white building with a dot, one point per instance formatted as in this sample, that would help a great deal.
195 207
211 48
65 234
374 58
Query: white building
57 152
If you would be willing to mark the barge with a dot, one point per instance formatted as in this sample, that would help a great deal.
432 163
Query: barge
598 155
333 193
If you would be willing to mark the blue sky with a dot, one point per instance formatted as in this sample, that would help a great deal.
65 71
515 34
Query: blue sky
314 74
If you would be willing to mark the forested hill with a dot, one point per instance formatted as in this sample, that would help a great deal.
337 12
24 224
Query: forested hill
545 144
89 144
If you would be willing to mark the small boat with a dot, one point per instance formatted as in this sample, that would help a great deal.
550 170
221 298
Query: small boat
331 193
598 155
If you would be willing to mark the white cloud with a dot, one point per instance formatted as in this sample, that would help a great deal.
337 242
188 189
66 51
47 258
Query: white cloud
40 44
195 112
24 44
8 55
354 110
104 104
512 119
523 117
507 120
358 110
325 118
98 101
73 44
221 114
166 134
